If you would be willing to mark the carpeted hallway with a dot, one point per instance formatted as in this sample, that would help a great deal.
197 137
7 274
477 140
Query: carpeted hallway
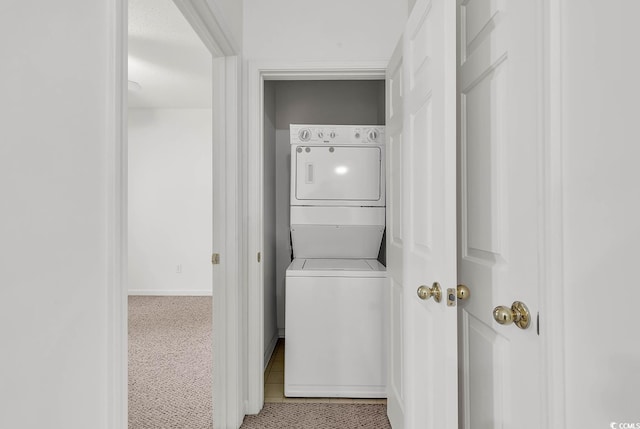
170 363
318 416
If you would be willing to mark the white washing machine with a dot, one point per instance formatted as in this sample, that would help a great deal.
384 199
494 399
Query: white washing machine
336 290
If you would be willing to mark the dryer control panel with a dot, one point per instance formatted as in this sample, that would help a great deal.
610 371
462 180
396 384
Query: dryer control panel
337 134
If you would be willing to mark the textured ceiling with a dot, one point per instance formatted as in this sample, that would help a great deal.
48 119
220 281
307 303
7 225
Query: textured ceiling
166 57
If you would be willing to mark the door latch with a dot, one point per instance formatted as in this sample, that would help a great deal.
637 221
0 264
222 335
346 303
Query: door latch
451 297
215 258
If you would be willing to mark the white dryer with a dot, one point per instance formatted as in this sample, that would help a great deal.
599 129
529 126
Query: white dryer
339 165
335 316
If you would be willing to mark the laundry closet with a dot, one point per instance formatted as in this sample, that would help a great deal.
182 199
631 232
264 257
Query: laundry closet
344 119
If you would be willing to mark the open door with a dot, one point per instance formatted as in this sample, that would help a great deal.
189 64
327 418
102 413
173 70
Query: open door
425 237
501 200
394 160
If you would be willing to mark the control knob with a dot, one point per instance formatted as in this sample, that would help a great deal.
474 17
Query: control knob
372 135
304 134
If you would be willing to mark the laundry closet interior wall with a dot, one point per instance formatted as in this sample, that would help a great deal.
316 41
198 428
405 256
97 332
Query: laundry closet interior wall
337 102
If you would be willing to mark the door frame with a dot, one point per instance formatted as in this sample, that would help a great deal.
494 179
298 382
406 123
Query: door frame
208 22
552 295
257 73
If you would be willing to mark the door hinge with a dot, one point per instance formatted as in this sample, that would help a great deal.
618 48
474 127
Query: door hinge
538 323
215 258
259 256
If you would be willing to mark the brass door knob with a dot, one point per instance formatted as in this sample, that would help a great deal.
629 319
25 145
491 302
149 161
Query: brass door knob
518 314
463 292
427 292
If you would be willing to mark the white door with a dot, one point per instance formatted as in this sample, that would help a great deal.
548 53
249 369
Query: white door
429 215
500 202
395 373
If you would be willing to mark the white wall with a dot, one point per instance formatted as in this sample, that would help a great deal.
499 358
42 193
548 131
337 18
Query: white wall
313 102
329 30
602 211
231 10
53 227
411 3
269 243
170 201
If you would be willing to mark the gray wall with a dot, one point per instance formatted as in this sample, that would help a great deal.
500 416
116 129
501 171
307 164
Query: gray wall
312 102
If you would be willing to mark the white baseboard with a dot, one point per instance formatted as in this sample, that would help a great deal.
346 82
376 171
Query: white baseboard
281 333
269 350
151 292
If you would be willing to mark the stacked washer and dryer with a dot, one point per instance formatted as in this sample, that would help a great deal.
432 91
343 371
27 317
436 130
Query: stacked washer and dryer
335 288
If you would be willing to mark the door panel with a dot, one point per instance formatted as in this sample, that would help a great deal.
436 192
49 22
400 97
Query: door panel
485 359
499 143
395 189
429 213
423 169
483 143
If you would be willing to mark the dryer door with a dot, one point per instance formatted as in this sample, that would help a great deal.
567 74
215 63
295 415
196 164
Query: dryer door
338 173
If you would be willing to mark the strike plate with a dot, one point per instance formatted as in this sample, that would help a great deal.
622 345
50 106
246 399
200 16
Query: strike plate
451 297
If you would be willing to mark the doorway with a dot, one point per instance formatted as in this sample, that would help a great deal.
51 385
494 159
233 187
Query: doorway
257 76
259 90
286 102
170 222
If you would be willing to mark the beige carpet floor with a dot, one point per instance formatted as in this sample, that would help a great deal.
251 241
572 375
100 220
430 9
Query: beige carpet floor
170 362
319 416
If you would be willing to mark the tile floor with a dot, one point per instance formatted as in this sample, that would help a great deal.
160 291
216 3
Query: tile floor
274 384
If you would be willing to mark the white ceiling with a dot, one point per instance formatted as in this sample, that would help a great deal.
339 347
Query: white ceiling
167 58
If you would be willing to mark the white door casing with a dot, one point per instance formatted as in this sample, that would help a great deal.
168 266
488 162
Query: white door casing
500 228
228 383
228 392
429 215
228 372
257 73
394 162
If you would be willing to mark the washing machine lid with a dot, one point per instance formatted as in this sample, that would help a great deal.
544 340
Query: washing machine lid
303 267
337 264
336 241
337 232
